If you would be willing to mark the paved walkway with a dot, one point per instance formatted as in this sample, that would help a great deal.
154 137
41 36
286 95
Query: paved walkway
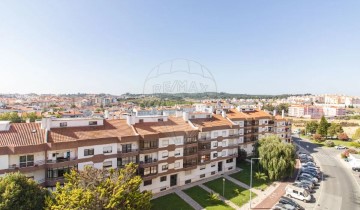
228 202
274 197
188 200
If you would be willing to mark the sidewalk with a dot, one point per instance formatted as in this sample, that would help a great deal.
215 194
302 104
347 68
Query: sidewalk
274 197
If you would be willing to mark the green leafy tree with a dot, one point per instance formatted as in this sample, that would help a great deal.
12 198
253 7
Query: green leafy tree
20 193
323 127
334 129
277 158
11 116
100 189
311 127
356 135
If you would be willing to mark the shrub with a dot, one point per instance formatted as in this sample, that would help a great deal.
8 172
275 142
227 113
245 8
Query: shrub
329 143
355 144
343 137
214 196
317 138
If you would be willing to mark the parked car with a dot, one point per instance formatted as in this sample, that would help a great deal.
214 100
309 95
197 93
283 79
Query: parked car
281 206
306 182
298 193
356 168
313 164
286 200
313 179
340 147
306 156
303 185
302 178
311 172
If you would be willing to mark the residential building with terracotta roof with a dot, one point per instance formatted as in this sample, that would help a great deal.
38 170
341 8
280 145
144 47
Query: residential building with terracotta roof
172 149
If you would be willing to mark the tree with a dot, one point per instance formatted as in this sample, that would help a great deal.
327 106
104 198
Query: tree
311 127
334 129
20 193
100 189
318 138
323 127
277 158
356 134
242 154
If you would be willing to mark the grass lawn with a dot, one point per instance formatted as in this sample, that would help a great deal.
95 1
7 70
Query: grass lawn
201 197
230 194
170 202
244 176
337 142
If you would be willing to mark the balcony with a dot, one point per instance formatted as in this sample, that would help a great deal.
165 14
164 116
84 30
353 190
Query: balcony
205 138
149 162
128 152
59 160
28 164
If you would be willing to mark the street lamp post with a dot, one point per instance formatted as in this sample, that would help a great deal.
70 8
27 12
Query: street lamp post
251 176
224 188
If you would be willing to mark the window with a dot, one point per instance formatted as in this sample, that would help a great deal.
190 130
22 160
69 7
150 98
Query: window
165 167
63 124
165 143
188 181
141 120
107 149
224 133
126 160
202 176
215 144
163 189
126 148
150 170
92 122
147 182
177 165
215 134
207 116
224 143
213 172
88 152
107 164
160 120
163 178
178 141
231 132
202 167
165 154
177 153
215 155
223 153
26 161
213 164
230 160
230 168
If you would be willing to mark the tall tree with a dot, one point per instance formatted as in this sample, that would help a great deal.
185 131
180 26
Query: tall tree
323 127
334 129
311 127
20 193
356 135
277 158
100 189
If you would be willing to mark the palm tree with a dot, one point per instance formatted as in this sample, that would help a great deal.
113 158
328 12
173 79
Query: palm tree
260 176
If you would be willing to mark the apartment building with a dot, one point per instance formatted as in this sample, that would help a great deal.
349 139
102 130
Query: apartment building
171 150
315 112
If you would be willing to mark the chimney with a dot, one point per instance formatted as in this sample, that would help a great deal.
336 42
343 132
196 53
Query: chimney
283 113
274 112
186 116
223 113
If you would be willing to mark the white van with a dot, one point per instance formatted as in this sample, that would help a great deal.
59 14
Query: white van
298 193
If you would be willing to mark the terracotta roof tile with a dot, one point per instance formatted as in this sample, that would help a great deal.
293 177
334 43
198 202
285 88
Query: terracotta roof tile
22 134
110 129
173 124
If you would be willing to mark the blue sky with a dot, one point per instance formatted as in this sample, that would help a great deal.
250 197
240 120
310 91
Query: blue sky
254 47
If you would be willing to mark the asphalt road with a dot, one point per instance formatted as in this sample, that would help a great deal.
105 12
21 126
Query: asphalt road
339 189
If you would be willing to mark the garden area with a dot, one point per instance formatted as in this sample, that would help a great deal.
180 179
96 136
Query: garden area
170 202
233 192
203 198
243 176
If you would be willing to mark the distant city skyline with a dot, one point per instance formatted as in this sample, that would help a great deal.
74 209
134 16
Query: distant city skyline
250 47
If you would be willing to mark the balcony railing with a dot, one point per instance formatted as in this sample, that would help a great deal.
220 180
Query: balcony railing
59 160
127 151
151 160
27 164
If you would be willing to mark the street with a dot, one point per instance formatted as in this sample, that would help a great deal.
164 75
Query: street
339 189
